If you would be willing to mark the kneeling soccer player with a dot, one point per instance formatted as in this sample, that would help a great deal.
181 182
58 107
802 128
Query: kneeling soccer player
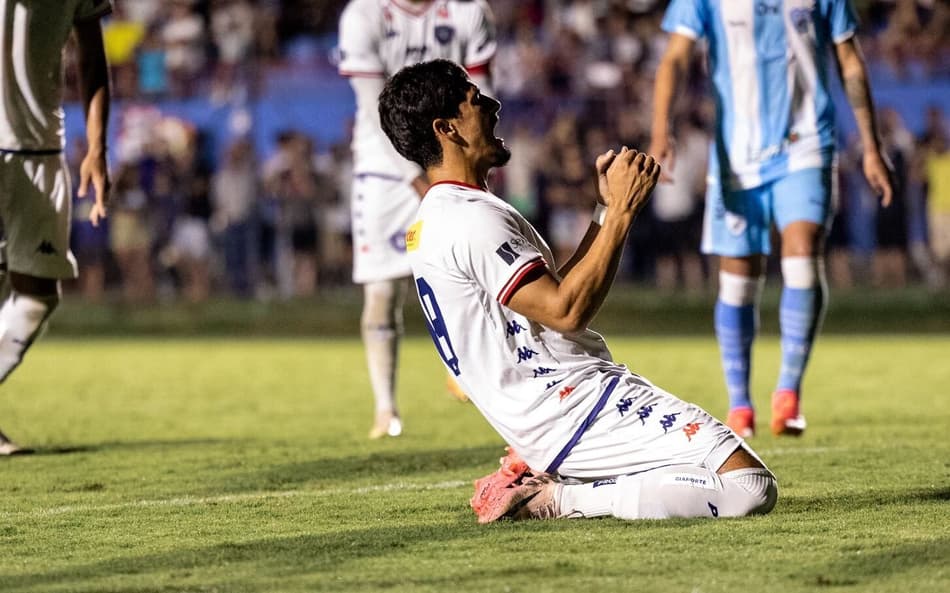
599 440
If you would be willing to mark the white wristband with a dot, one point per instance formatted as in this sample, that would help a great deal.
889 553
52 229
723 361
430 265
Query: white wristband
600 213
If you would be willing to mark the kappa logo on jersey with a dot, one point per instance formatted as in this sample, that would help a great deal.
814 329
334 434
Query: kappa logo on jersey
691 429
506 253
623 406
668 421
412 236
46 248
801 18
525 353
767 8
643 413
444 34
513 328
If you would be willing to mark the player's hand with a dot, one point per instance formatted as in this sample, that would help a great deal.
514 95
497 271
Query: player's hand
630 179
879 173
94 170
663 150
601 165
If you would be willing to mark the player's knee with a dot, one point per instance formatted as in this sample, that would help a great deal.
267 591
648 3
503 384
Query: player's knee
737 290
801 271
754 492
381 306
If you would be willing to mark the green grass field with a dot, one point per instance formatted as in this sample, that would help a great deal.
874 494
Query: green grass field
217 465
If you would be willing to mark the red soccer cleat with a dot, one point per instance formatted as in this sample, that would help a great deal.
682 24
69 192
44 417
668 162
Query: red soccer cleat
494 491
742 421
786 417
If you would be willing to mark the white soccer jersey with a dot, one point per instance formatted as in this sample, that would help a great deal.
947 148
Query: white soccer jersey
769 65
32 37
380 37
469 250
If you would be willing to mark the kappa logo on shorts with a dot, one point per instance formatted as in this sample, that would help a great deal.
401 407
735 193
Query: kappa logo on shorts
735 223
506 253
46 248
691 429
606 482
566 391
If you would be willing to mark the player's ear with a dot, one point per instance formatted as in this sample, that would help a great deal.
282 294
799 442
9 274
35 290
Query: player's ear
446 130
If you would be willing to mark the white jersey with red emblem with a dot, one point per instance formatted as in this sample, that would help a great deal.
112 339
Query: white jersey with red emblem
380 37
32 36
469 250
558 399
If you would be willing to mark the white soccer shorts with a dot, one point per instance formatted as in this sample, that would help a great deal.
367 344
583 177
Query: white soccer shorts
382 209
35 207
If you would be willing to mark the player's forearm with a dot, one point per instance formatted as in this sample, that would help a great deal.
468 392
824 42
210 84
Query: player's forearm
668 76
94 84
586 284
858 90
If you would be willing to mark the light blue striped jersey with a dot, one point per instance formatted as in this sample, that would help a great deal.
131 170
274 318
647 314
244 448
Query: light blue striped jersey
769 65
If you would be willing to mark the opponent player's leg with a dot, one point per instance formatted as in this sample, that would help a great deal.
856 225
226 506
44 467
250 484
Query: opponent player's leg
736 319
802 206
381 328
736 228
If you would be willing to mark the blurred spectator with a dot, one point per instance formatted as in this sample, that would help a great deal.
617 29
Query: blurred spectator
129 235
937 149
677 209
189 250
90 244
184 36
234 198
232 27
889 264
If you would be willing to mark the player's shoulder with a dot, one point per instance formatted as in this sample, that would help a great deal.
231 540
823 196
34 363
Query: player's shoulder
361 10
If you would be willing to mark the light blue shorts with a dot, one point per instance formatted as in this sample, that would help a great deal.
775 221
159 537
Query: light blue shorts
737 223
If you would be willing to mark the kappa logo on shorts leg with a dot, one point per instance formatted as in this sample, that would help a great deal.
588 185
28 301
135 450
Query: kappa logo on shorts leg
46 248
735 223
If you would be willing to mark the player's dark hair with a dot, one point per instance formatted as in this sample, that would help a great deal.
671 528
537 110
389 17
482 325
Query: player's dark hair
415 97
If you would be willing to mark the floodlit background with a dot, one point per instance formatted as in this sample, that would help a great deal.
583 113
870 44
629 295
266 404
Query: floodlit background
218 103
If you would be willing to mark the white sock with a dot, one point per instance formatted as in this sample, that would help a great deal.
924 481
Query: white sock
22 319
674 491
381 328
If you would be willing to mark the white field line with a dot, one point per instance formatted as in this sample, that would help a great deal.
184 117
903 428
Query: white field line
189 501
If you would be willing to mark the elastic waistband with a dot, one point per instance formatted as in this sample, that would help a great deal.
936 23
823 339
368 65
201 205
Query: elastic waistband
591 416
27 152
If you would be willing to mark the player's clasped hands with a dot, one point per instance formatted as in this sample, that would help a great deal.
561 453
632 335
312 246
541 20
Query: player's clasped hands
626 179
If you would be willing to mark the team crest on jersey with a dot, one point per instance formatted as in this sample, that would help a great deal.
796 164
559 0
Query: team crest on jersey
444 34
412 236
398 241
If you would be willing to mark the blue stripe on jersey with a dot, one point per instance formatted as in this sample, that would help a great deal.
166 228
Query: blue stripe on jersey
722 87
771 48
565 451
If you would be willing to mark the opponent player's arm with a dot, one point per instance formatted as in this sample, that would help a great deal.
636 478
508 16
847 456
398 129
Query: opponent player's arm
669 76
569 306
367 90
855 79
94 89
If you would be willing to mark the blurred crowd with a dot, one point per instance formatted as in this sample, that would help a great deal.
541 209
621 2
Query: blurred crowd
576 77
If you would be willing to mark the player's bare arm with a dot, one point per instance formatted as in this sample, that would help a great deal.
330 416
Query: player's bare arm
669 76
855 79
569 305
94 87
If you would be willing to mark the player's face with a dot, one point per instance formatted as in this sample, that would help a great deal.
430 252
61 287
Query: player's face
478 118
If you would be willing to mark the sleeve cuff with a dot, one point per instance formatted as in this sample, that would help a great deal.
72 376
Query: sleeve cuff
515 281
